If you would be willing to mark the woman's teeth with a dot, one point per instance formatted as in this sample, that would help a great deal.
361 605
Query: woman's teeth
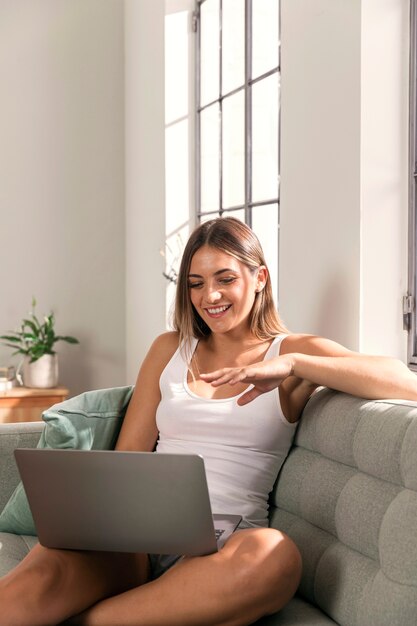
219 309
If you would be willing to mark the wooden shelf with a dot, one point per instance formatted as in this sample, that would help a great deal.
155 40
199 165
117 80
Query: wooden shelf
21 404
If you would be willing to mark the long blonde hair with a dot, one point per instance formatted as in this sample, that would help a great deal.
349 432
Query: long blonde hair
232 236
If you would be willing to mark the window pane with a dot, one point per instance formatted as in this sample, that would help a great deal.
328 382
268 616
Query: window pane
210 155
233 44
177 66
209 51
265 226
265 139
234 150
177 176
265 29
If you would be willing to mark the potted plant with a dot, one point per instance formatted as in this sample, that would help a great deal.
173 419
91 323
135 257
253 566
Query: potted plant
35 341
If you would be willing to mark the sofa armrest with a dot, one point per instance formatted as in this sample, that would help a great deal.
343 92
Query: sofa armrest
16 435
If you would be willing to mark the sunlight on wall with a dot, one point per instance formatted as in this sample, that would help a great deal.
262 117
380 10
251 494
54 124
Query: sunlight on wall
179 137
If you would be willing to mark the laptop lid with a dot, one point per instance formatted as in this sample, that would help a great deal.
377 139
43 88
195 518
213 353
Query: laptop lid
121 501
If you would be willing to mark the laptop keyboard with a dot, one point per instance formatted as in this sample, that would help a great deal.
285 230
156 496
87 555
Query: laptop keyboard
218 532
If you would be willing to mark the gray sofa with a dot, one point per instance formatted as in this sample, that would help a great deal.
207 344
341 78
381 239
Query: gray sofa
346 495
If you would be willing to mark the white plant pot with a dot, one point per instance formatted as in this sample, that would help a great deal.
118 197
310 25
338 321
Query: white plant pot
42 373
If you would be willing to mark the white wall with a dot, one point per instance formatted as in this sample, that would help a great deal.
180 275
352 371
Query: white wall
145 177
343 258
159 57
62 179
319 265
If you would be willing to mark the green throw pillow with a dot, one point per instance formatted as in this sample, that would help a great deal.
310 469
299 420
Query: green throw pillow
90 421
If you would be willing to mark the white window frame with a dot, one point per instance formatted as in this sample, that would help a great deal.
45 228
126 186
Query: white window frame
248 82
409 308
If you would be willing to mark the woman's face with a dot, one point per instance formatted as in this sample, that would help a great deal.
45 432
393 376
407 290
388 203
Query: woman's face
223 289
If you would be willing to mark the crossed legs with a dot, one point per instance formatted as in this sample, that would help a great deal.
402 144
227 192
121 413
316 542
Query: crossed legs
256 573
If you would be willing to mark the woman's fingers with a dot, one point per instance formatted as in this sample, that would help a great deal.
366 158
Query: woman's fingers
227 375
262 380
265 376
249 396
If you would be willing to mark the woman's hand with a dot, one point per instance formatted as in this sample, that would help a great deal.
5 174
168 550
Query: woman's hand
264 376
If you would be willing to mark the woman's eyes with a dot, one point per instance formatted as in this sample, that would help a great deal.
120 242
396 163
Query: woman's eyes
221 281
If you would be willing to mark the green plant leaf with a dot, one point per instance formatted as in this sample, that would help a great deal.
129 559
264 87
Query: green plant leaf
19 352
10 345
37 322
31 325
10 337
67 338
38 354
35 339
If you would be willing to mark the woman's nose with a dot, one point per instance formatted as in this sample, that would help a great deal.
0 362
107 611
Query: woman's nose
212 294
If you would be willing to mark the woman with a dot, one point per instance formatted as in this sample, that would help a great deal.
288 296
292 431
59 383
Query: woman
230 384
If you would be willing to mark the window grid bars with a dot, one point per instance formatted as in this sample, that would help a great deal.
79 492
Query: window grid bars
248 112
248 82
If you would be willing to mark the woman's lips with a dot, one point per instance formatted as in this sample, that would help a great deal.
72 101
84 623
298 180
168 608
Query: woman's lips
217 311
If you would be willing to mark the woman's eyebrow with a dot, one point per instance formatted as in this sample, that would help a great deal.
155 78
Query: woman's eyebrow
226 269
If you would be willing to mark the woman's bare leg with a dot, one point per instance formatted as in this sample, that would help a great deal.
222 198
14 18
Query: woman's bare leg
256 573
49 586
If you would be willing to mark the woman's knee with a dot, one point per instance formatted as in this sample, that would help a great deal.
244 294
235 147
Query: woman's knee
30 586
280 573
48 570
269 566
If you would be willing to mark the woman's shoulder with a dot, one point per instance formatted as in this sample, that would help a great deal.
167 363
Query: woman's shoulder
312 344
158 356
165 344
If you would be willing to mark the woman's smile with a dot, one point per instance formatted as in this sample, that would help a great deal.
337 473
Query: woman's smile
218 311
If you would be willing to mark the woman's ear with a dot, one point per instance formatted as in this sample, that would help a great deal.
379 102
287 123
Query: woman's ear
262 277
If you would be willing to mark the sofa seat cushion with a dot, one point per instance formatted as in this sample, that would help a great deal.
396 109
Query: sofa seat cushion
13 548
297 613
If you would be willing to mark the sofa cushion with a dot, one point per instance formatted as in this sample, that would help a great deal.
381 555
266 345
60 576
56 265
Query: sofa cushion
12 436
347 496
297 613
90 421
13 548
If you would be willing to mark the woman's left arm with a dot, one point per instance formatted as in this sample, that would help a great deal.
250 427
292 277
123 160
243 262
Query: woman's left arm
327 363
321 362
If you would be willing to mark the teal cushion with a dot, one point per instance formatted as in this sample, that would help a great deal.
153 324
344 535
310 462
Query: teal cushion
90 421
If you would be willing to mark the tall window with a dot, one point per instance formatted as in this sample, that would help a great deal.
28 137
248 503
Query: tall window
409 300
238 83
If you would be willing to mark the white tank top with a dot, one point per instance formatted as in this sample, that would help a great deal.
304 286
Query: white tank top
243 446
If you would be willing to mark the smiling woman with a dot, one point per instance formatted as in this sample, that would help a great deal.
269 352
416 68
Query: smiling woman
241 418
229 251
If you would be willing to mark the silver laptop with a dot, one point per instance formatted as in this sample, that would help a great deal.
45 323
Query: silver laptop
122 501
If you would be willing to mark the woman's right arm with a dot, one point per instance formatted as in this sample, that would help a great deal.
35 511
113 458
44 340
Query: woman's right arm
139 431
